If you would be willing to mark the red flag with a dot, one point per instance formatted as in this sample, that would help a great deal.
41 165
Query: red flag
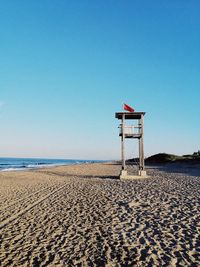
128 108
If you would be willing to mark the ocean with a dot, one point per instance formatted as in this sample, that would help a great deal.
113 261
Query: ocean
17 164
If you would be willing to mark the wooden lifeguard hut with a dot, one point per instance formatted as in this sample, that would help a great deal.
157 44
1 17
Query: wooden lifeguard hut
136 132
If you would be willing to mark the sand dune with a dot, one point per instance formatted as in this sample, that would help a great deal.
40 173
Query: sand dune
82 216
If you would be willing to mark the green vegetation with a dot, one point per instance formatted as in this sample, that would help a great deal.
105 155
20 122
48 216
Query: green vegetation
170 158
196 154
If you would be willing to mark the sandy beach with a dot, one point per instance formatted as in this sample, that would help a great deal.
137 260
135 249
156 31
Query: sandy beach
82 215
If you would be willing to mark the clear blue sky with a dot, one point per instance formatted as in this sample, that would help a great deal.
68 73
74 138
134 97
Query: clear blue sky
67 66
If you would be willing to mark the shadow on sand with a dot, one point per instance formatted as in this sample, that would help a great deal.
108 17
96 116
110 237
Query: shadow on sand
114 177
187 169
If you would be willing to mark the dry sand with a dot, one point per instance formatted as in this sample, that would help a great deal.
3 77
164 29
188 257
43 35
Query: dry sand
83 216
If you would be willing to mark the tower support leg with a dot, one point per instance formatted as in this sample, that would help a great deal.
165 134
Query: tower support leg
123 145
141 170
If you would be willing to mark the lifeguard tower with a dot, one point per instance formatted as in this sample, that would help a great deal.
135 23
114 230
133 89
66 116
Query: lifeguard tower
132 131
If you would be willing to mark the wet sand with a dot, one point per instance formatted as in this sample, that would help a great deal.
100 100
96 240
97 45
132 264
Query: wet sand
82 215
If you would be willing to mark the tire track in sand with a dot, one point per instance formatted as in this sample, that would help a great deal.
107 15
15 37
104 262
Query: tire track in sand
24 198
15 216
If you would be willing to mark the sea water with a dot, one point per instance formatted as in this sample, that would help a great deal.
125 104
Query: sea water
13 164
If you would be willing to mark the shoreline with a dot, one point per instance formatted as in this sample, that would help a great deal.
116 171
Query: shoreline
48 165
